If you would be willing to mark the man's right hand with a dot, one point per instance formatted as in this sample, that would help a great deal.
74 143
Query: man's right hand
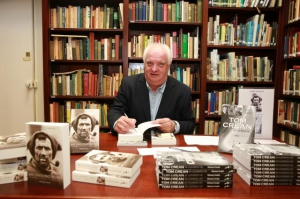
124 124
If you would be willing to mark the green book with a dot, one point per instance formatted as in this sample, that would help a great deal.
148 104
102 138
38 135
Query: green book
199 10
184 45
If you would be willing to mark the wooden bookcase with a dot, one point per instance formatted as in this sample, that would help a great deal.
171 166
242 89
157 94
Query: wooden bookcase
287 122
134 28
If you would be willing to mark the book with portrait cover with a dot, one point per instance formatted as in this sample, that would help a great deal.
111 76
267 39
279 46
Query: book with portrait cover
158 138
237 126
110 162
12 177
48 154
13 165
263 100
191 160
84 131
12 145
104 179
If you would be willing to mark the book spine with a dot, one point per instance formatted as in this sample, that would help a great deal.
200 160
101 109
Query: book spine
215 184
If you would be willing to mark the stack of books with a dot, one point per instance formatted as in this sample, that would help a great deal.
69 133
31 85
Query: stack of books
108 168
163 138
193 170
259 164
13 158
13 170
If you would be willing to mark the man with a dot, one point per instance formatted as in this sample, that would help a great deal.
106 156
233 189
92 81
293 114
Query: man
83 125
43 148
153 96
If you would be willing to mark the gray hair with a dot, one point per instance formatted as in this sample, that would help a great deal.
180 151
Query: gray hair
161 45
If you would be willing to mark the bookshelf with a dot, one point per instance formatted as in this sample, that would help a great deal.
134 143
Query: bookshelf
288 85
141 26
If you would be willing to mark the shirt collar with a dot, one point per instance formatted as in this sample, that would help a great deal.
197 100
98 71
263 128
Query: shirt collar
160 89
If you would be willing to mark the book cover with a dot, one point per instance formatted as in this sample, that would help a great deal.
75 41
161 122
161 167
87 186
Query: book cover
84 131
109 162
136 134
48 154
104 179
13 165
158 138
263 100
12 177
237 126
191 160
12 145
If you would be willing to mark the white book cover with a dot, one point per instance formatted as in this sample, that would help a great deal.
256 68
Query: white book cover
84 131
104 179
109 162
12 177
263 100
236 126
136 134
13 166
48 154
158 138
12 145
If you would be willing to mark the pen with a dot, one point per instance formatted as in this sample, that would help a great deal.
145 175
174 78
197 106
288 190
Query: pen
125 115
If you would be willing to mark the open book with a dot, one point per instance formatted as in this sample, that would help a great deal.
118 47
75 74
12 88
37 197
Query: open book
136 134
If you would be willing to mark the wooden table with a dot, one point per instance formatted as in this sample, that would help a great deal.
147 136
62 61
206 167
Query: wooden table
145 186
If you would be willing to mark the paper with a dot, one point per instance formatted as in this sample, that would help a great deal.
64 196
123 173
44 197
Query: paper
201 140
152 151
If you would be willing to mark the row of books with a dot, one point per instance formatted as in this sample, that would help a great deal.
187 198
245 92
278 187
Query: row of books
254 32
290 137
211 127
108 168
230 67
83 47
185 169
291 46
291 81
288 113
294 11
267 165
154 10
62 112
214 100
182 44
246 3
84 82
96 17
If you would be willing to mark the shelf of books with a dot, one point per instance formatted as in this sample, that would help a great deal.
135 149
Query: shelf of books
83 59
289 96
241 52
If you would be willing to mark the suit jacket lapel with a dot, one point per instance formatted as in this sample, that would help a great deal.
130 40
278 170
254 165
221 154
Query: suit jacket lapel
144 97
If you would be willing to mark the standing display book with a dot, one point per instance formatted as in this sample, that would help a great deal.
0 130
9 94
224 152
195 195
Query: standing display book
237 126
263 100
48 154
163 138
104 179
109 162
84 131
12 146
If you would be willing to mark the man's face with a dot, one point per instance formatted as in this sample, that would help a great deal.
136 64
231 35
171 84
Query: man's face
156 68
224 109
255 101
112 158
84 127
43 152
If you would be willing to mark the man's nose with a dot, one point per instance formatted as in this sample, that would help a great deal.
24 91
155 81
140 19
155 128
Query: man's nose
43 152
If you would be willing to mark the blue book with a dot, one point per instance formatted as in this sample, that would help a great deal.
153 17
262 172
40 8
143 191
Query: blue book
212 103
249 33
79 17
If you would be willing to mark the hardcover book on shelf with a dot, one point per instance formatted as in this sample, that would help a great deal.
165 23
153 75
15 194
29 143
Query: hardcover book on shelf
84 131
48 154
263 100
104 179
12 145
12 177
237 126
158 138
109 162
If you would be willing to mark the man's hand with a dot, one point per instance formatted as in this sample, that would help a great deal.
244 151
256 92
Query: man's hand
167 125
124 124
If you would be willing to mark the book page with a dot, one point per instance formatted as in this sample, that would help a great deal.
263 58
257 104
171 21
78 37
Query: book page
142 128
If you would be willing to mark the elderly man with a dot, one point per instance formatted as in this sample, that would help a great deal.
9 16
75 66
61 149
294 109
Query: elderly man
43 148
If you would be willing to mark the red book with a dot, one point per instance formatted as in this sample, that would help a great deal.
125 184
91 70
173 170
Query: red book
85 84
117 47
133 11
92 45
